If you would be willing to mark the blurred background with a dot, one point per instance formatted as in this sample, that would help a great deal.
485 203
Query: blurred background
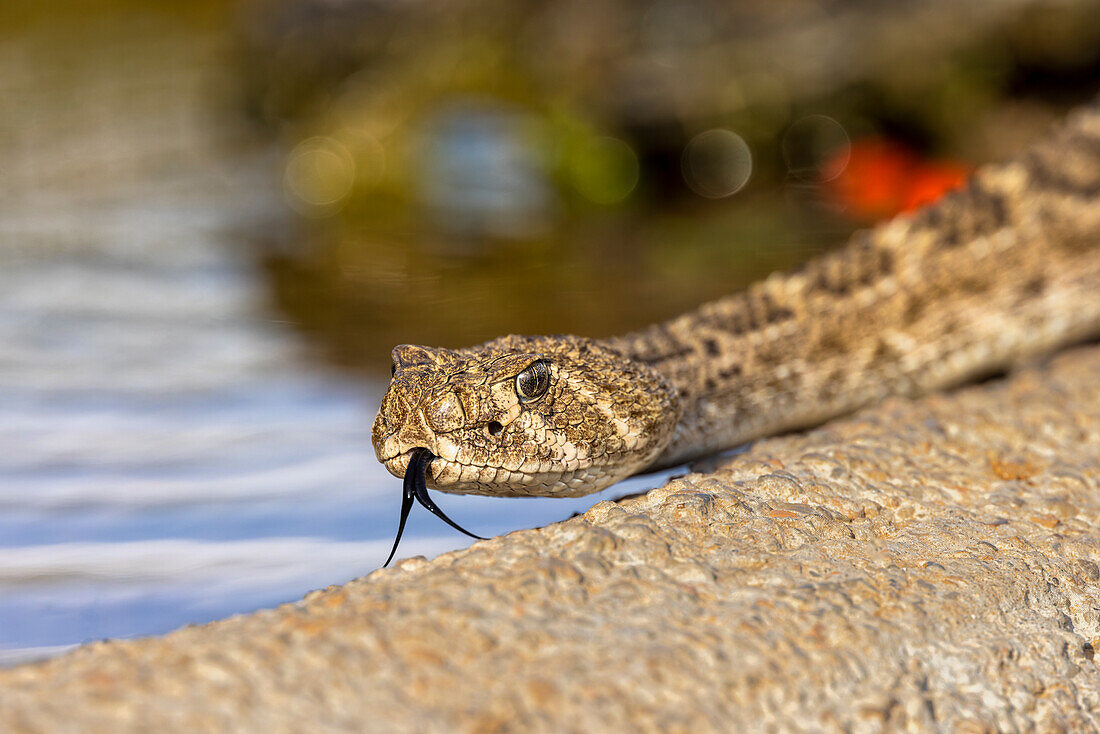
217 218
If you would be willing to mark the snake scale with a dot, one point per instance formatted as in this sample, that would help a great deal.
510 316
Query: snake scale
1004 269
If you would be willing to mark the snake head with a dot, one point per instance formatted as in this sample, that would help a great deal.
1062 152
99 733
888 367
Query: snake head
549 416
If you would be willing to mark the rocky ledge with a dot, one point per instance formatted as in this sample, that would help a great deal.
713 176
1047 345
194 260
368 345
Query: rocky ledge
928 564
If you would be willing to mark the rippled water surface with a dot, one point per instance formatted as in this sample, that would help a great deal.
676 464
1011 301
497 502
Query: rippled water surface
170 451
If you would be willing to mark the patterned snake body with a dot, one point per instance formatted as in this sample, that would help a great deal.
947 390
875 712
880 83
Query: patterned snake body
1003 270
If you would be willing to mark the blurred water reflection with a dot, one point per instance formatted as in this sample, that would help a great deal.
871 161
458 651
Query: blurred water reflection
170 451
477 176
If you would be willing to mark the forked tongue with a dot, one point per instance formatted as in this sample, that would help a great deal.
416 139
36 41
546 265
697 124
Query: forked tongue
416 488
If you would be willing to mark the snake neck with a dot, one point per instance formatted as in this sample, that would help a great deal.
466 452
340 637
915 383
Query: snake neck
1003 270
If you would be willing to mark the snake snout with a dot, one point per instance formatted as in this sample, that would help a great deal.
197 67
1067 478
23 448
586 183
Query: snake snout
394 439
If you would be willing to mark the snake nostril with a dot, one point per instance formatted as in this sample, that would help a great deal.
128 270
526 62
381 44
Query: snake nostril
494 428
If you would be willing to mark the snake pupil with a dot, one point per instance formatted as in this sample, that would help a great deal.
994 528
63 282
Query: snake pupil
534 381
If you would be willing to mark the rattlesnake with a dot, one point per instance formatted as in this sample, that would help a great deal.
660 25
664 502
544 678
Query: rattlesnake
1007 268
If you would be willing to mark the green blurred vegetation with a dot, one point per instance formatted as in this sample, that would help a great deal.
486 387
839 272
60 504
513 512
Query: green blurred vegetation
592 107
458 169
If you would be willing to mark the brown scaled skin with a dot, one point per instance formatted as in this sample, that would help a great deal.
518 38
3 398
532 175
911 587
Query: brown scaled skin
992 275
596 417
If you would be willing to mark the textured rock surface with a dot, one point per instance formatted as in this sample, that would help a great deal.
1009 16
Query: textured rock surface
923 564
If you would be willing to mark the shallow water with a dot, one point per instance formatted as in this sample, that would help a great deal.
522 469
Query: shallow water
170 451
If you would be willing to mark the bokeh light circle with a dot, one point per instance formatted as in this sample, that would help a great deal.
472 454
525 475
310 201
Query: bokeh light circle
318 177
717 163
816 148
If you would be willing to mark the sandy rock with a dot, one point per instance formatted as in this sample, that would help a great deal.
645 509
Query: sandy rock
929 564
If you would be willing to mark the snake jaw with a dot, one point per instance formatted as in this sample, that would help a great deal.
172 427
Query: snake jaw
398 465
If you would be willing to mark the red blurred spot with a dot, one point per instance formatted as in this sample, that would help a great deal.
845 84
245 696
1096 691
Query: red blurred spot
931 182
884 178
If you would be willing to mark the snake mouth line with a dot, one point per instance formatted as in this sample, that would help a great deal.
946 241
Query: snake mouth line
415 487
444 475
440 472
400 464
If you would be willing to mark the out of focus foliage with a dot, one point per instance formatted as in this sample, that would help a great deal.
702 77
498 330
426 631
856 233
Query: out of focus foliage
470 167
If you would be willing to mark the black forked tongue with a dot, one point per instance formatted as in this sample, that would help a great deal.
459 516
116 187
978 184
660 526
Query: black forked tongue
416 488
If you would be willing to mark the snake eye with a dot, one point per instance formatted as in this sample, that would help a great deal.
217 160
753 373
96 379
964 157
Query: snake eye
534 381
